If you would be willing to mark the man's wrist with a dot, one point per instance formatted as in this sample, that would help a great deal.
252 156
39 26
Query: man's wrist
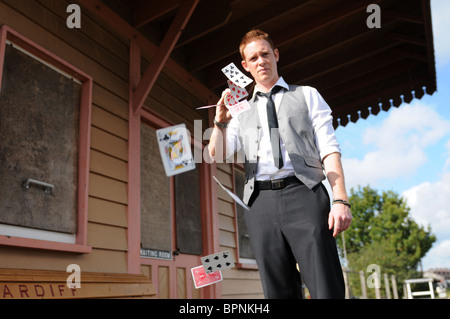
341 201
221 124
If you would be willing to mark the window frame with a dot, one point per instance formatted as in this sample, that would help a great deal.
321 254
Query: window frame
44 56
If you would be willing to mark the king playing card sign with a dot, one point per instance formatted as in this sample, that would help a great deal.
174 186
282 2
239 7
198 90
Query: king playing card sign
175 148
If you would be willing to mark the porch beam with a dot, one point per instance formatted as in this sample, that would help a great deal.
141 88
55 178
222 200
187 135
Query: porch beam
162 53
125 30
145 11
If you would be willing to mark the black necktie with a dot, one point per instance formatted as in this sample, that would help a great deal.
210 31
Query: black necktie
273 126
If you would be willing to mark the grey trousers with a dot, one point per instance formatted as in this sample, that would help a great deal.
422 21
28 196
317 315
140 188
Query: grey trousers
290 226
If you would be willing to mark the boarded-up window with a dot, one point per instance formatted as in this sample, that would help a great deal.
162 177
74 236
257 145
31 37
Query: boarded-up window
39 131
157 198
156 217
188 213
245 249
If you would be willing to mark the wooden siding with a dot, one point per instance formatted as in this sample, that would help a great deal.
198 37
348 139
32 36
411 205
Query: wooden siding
98 51
103 56
237 283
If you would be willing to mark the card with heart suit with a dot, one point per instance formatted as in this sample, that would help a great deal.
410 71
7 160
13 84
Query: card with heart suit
218 261
236 76
237 92
202 279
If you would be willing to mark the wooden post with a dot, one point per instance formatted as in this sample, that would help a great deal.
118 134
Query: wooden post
347 284
386 284
377 285
363 285
394 287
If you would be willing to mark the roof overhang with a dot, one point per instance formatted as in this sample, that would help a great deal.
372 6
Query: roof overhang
328 44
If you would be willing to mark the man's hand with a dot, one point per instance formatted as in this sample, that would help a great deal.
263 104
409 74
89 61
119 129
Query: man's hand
340 218
222 113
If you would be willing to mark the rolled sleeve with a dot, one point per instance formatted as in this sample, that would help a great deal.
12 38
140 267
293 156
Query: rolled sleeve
232 138
322 122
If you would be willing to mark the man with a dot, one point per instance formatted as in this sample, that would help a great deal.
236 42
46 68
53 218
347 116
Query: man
289 221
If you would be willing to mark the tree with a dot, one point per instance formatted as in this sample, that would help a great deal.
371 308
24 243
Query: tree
383 233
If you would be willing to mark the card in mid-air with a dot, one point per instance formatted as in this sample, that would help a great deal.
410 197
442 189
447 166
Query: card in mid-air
202 279
175 148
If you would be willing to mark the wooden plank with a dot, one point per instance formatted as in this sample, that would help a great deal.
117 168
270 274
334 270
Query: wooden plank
225 167
146 11
114 261
227 223
164 283
110 123
109 101
178 101
239 274
109 144
237 287
61 291
245 296
48 284
107 237
103 47
147 271
106 212
94 37
181 283
227 239
226 207
103 164
109 189
38 275
225 179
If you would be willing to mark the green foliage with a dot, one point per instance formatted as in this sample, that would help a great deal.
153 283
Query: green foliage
383 233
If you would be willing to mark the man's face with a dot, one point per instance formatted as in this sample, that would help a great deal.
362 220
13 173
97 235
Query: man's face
261 62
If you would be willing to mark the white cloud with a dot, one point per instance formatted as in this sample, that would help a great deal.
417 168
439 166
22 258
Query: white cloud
447 162
430 204
440 11
398 145
438 256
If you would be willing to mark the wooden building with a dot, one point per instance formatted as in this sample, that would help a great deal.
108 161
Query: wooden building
86 83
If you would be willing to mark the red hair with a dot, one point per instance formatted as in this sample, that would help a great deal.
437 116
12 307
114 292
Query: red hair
251 36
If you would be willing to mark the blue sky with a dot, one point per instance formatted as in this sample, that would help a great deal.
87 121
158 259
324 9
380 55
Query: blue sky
407 149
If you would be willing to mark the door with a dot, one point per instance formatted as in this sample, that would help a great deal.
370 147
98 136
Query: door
172 226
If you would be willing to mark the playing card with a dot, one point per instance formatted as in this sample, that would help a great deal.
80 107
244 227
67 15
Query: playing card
238 108
202 279
218 261
175 148
230 100
237 92
232 195
236 76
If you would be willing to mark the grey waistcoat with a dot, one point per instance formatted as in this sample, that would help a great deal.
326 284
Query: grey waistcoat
297 133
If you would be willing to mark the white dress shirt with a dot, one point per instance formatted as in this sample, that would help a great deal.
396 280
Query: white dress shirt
322 122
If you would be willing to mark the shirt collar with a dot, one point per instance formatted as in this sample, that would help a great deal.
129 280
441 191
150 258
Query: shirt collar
281 82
